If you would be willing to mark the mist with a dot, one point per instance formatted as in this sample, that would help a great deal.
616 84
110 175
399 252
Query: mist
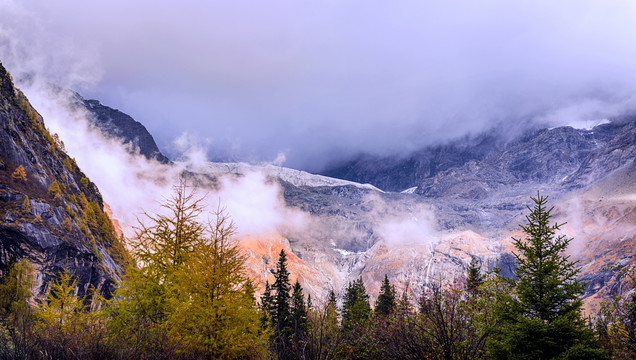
321 81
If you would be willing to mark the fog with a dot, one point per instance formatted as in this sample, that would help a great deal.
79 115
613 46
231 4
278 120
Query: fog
321 81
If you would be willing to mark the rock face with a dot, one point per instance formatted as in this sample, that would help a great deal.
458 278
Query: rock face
50 213
398 173
114 123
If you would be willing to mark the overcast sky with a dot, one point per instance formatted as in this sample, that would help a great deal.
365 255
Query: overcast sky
321 80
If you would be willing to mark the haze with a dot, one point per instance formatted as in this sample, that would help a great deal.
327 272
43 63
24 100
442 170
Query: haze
317 81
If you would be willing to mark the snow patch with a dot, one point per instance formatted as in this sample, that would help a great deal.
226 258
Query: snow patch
295 177
347 252
588 124
409 190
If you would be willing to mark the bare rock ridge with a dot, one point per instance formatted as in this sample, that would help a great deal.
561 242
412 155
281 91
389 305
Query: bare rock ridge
50 212
116 124
469 168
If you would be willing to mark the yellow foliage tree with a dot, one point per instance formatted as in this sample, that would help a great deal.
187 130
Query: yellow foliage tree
54 188
217 317
66 328
190 296
19 174
26 205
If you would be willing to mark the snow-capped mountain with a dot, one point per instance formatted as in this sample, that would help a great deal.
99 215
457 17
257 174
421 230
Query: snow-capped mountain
456 201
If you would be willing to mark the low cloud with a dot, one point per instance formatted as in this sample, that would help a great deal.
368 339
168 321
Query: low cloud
322 81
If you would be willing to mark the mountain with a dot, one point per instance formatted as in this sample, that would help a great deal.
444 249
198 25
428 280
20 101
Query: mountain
465 199
115 124
50 213
397 173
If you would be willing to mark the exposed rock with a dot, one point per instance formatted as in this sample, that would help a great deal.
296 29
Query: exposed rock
116 124
61 227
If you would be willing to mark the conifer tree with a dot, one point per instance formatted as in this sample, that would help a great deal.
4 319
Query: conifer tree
546 320
19 174
332 300
267 305
190 294
26 205
299 322
385 304
281 314
355 308
474 279
15 285
298 311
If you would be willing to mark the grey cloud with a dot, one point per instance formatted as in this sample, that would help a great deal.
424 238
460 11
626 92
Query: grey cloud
331 78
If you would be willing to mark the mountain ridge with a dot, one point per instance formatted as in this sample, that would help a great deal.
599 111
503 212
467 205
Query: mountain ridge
50 213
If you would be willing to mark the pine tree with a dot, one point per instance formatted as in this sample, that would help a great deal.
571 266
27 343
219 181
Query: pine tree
355 308
385 304
474 279
546 321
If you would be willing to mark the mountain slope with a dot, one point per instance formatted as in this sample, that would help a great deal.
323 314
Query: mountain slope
114 123
469 199
50 212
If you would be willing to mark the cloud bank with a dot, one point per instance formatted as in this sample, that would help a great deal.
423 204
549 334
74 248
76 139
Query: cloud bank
317 81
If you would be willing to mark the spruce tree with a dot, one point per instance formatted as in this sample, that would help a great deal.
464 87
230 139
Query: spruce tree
332 300
267 305
545 321
298 312
474 279
281 314
385 304
355 308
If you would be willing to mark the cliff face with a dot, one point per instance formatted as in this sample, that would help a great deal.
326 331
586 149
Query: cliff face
114 123
50 212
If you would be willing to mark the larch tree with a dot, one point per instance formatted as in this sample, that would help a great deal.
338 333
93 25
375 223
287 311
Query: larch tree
190 295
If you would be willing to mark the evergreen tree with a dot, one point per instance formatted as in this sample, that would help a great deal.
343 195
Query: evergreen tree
332 300
267 305
474 279
385 304
281 314
355 308
298 311
545 321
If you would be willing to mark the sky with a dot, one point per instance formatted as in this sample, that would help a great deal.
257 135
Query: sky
307 83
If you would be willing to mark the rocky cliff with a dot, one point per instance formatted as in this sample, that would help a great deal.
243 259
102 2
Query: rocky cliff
116 124
50 212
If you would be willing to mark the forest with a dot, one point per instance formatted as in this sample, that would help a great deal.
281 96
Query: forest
186 294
